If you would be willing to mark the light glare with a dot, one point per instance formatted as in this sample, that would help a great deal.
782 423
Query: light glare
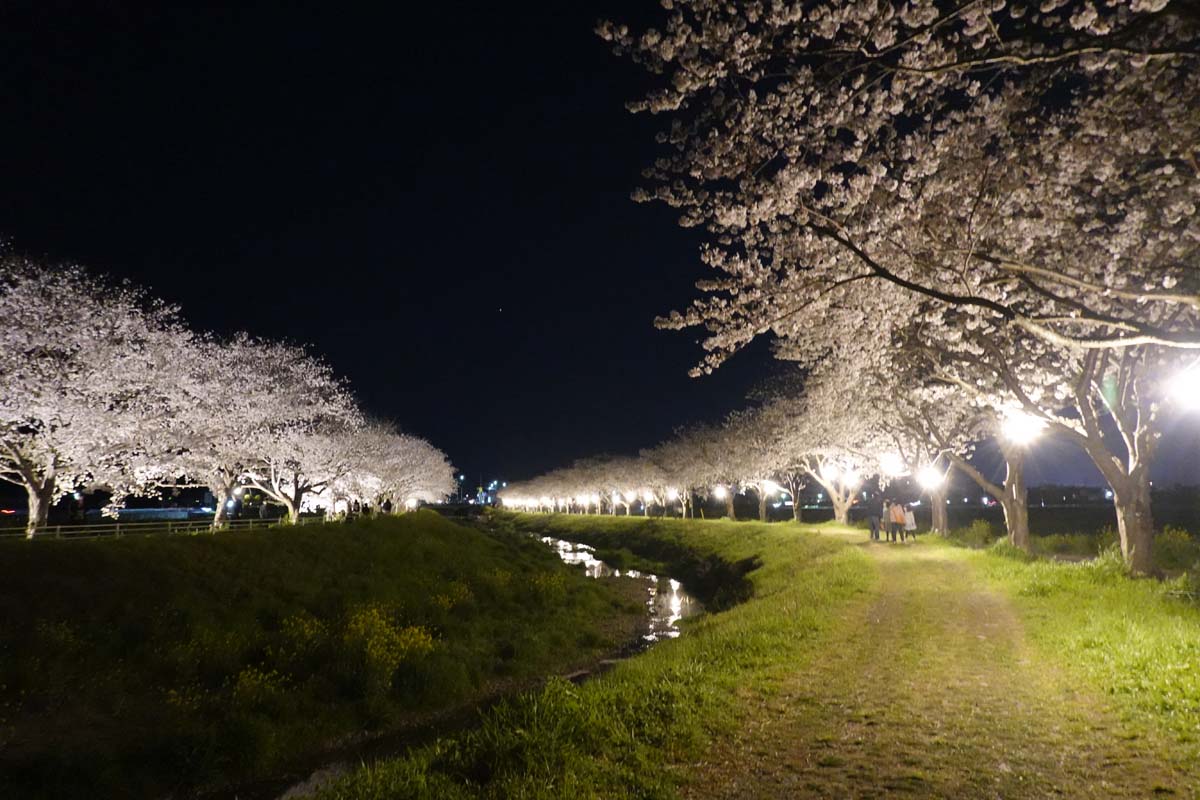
1021 428
930 477
892 465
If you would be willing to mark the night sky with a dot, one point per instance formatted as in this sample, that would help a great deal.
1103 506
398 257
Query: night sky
434 197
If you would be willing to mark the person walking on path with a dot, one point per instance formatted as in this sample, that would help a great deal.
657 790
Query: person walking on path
910 522
897 526
874 520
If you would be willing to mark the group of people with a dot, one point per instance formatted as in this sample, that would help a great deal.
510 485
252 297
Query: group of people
895 519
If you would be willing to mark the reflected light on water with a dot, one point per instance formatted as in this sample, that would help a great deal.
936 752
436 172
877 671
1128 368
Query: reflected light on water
667 603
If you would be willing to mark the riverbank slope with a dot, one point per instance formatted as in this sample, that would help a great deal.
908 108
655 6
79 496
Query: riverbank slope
147 666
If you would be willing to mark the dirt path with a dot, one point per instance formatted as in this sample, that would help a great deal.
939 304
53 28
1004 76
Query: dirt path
929 689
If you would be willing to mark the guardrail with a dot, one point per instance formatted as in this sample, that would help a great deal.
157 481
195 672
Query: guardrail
118 529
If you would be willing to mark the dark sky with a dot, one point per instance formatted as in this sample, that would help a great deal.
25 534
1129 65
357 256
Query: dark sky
435 197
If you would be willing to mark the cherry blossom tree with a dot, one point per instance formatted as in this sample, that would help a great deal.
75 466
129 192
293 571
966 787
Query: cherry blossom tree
88 370
302 459
820 145
828 435
1028 169
395 466
1107 403
239 395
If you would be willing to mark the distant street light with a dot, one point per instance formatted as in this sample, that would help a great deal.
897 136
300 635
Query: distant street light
719 492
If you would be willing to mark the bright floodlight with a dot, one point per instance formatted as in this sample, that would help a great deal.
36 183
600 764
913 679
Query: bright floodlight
647 496
1021 428
851 478
672 495
930 477
770 487
892 465
595 499
719 492
1184 388
411 502
830 472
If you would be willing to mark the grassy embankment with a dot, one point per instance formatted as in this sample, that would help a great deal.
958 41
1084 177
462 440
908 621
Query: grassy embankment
620 734
141 666
921 668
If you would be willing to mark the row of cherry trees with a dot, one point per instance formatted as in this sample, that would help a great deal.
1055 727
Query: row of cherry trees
985 210
865 416
830 435
104 388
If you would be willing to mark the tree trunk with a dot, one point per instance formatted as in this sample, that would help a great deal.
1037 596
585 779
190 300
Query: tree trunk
762 506
1014 501
1011 495
794 486
841 509
223 495
39 502
941 518
292 504
729 506
1135 522
219 511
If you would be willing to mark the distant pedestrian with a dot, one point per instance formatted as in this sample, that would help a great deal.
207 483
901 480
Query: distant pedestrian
910 522
387 506
896 528
875 517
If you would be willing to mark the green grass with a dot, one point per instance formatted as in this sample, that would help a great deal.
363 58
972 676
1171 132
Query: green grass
141 666
1175 550
618 735
1135 640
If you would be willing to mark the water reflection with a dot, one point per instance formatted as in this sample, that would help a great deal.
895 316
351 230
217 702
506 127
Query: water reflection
666 604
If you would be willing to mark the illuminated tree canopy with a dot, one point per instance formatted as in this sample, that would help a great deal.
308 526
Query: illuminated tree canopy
103 388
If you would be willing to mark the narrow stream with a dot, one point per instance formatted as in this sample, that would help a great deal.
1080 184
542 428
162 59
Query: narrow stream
666 605
666 601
